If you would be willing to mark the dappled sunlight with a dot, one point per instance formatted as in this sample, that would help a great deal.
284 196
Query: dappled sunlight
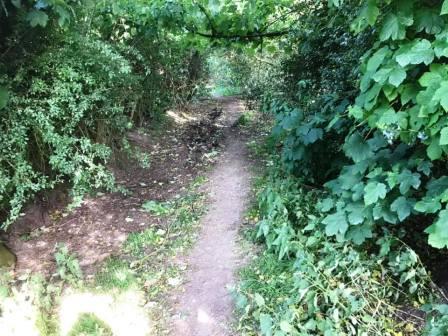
18 314
204 317
180 117
123 313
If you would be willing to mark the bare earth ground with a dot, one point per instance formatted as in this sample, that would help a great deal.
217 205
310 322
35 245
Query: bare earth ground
178 153
205 306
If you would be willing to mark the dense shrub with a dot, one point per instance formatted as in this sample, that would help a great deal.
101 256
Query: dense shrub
74 78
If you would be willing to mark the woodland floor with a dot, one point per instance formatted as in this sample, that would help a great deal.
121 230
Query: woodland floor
196 140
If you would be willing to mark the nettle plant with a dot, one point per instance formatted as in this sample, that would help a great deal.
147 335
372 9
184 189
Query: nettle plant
399 143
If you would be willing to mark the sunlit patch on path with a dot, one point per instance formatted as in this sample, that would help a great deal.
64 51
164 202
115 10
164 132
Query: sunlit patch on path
123 313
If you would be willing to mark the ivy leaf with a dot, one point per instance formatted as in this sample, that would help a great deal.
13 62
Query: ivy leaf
335 223
416 52
438 232
373 192
402 207
356 148
4 97
37 18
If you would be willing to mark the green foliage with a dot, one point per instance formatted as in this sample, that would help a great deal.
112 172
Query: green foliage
90 325
68 268
115 273
306 283
69 92
156 208
437 320
361 116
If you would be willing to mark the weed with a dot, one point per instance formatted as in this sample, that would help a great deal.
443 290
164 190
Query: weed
90 325
137 242
156 208
115 273
67 265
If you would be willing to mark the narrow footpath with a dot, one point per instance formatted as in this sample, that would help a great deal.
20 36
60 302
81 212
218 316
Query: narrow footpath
204 307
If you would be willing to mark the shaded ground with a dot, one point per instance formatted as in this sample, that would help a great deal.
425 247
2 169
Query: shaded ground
98 228
204 308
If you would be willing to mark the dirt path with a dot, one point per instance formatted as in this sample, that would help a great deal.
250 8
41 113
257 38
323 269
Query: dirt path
205 306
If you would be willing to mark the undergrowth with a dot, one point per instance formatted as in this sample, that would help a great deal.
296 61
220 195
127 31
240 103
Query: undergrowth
306 283
146 264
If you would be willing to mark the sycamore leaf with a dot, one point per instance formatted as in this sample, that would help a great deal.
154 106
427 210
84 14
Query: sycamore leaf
434 150
356 112
444 136
402 207
373 192
358 234
356 148
37 18
391 28
377 59
407 179
335 223
416 52
397 76
438 232
441 95
428 205
356 214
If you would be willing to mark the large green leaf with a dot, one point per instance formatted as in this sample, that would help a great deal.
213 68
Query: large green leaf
373 192
335 223
357 148
441 95
397 76
402 207
407 179
415 52
438 232
360 233
444 136
37 18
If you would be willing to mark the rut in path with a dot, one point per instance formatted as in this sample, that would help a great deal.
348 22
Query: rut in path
205 307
